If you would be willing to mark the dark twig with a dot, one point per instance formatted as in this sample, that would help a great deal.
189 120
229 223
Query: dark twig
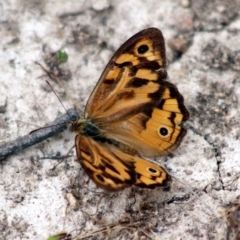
55 127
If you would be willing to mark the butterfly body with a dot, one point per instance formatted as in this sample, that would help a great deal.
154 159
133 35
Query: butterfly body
86 128
132 112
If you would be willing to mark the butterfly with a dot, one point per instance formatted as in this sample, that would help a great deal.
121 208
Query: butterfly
133 112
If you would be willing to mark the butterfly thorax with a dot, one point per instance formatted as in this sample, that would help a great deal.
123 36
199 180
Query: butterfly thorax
86 128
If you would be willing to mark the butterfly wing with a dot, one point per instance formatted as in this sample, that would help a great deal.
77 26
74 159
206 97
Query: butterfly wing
139 62
114 170
154 130
149 174
133 103
106 170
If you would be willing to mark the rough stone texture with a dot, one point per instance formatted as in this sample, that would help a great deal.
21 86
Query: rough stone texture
36 201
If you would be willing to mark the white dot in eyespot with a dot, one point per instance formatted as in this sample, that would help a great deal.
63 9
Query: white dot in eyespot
163 131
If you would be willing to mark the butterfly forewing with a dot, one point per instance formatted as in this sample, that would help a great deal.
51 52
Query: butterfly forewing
156 130
136 62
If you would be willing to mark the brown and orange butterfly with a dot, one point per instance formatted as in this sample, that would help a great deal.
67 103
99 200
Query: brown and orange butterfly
132 112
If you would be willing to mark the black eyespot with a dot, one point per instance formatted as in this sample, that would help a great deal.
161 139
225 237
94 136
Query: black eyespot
152 170
142 49
100 178
163 131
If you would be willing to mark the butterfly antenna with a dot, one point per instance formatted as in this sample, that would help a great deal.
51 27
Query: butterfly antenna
44 69
58 100
56 95
35 130
60 84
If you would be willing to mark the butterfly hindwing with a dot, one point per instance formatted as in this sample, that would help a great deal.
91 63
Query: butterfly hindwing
114 170
107 171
